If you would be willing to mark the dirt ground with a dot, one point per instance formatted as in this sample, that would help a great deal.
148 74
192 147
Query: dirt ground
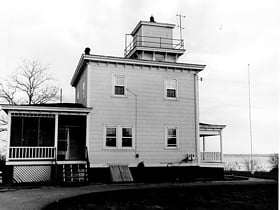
246 196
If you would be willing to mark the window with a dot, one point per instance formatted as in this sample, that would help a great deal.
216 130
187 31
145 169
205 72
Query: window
126 137
171 88
159 57
32 131
78 95
171 137
111 137
119 137
84 89
119 85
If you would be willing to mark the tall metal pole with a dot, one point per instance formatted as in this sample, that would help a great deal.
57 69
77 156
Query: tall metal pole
60 97
250 120
180 26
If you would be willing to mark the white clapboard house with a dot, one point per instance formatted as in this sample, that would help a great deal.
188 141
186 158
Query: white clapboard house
134 118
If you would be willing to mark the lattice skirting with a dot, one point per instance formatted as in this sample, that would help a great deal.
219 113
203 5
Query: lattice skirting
23 174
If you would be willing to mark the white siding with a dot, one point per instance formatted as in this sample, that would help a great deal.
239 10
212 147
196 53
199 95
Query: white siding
154 113
163 36
157 31
79 88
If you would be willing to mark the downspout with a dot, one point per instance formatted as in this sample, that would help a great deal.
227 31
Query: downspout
89 103
196 115
55 147
56 136
136 121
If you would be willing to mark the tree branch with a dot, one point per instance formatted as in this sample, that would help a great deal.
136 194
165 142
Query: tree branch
29 84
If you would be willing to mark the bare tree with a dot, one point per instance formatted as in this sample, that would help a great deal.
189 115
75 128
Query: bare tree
7 92
3 139
257 166
274 161
29 85
3 124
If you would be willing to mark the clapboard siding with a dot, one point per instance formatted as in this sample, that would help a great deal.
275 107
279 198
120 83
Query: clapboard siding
79 89
155 31
154 113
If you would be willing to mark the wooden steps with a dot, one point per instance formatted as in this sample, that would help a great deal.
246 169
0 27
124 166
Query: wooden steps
120 173
72 173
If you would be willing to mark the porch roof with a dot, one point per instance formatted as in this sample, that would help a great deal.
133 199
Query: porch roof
210 129
47 108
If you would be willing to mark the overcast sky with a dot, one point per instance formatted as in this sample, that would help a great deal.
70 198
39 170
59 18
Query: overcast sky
226 35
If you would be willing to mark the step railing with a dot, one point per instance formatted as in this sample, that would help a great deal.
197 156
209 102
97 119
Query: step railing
211 156
31 153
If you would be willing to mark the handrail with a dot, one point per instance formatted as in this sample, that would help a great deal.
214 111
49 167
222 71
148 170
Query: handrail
154 42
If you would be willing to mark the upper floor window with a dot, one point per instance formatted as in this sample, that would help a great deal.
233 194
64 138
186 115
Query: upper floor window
84 89
171 140
119 85
171 89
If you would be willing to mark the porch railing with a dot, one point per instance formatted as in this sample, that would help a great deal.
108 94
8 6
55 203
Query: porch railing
31 153
211 156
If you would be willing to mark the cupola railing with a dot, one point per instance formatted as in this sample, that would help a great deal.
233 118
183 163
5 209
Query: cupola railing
154 42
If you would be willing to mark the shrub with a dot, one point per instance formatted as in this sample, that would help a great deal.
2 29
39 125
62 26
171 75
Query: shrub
274 161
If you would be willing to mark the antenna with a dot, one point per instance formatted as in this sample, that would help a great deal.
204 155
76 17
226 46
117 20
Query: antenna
180 24
60 96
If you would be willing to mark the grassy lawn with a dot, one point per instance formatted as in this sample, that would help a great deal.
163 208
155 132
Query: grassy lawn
257 196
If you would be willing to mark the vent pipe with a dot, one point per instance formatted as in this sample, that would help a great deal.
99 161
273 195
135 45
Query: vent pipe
87 51
152 19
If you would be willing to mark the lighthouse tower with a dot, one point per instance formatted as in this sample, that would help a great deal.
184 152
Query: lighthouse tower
154 41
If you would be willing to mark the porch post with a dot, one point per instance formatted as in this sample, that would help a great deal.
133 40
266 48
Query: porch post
8 136
87 137
56 135
196 120
203 139
221 145
203 147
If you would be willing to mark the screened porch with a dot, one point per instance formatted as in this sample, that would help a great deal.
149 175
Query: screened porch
45 135
32 136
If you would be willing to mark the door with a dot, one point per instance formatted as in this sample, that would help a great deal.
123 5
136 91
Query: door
63 144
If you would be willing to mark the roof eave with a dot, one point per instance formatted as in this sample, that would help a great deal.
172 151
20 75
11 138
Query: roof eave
211 126
77 71
9 108
151 23
187 66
